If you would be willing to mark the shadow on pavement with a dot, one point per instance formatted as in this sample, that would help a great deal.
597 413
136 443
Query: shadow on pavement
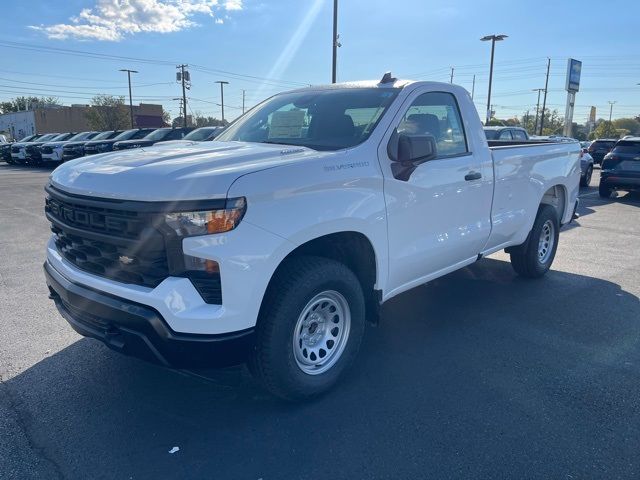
477 374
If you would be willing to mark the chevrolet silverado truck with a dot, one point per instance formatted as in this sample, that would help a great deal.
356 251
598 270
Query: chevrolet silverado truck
275 243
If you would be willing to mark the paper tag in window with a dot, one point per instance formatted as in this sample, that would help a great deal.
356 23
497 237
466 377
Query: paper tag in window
287 124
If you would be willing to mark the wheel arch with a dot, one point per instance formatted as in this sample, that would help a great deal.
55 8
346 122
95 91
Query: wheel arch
352 248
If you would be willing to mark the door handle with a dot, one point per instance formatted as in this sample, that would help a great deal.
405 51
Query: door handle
473 176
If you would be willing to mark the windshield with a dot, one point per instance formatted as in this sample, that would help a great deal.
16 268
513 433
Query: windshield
322 119
200 134
61 137
48 137
105 135
158 134
632 148
28 138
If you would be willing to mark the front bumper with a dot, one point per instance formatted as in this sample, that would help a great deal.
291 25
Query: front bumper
140 331
55 156
70 155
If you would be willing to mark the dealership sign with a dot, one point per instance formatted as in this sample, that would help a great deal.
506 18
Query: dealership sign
574 68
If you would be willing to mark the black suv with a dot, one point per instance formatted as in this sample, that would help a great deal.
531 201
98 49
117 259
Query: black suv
160 135
600 147
102 145
621 167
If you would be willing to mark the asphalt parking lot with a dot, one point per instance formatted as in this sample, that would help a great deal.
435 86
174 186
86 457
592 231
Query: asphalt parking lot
479 374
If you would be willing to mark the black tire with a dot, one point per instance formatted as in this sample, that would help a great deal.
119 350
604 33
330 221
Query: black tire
604 190
526 259
586 180
299 280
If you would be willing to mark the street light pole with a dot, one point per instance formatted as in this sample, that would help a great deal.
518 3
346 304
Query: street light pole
129 72
222 84
451 79
494 39
335 43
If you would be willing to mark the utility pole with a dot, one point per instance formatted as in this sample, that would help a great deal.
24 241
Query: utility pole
451 79
129 72
243 92
185 79
335 42
494 39
473 87
222 84
544 101
611 104
535 127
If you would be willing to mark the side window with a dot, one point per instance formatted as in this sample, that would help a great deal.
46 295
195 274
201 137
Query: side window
505 135
436 114
519 135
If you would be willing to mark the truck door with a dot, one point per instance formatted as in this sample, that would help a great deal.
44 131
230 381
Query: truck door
439 216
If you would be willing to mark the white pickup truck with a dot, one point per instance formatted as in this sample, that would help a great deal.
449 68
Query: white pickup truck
276 243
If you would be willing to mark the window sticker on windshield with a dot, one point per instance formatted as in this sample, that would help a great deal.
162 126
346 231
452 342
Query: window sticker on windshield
287 124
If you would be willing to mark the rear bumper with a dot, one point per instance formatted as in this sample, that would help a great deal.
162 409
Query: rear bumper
140 331
623 181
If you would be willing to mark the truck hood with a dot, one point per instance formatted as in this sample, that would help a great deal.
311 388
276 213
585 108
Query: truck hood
200 171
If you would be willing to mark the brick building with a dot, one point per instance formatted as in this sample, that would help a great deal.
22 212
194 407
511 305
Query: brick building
68 119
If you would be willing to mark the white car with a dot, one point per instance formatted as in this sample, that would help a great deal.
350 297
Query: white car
273 243
52 151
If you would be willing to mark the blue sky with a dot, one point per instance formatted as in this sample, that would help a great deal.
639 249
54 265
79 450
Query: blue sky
289 43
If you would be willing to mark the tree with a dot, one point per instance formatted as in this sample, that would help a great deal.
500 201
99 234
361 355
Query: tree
28 103
166 117
630 124
604 130
108 113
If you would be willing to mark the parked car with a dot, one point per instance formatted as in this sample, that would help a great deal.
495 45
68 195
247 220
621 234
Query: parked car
621 167
507 134
276 246
5 149
19 150
600 147
586 167
202 134
159 135
102 145
33 150
75 148
52 151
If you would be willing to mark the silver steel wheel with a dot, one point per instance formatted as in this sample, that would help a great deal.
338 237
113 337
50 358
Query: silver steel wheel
545 244
321 332
587 178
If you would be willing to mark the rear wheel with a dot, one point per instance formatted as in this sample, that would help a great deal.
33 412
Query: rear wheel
586 180
604 190
534 258
310 328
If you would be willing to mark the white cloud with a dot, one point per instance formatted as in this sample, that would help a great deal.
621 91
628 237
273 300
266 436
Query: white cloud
113 20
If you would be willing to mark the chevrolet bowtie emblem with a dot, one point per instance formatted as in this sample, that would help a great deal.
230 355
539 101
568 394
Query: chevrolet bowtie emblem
125 260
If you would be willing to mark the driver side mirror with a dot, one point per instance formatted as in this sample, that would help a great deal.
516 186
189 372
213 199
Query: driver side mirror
416 149
409 151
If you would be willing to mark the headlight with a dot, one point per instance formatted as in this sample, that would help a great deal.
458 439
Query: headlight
187 224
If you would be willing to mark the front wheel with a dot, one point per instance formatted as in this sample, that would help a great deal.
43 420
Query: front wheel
310 327
534 258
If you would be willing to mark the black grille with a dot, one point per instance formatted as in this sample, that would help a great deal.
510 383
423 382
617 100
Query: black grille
15 149
47 150
125 241
117 244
